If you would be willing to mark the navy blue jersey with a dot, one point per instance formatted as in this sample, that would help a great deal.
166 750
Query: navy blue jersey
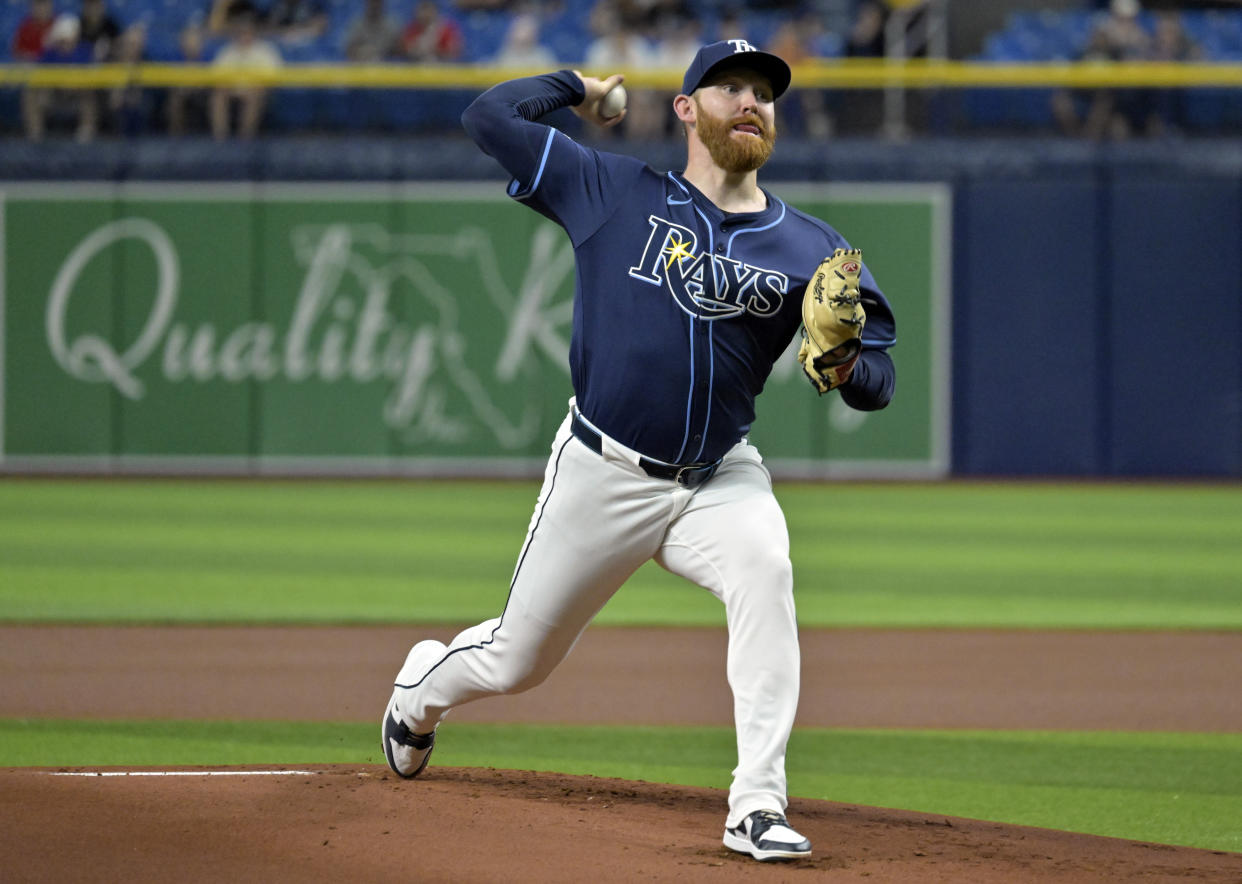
680 309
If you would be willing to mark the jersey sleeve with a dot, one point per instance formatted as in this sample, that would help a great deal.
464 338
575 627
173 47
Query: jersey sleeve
575 186
874 379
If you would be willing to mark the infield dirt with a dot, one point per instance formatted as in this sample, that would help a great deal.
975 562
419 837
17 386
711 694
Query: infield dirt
360 823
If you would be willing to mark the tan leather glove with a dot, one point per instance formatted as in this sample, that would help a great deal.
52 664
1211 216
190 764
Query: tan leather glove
832 320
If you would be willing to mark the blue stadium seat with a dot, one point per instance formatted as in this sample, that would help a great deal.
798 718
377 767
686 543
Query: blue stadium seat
1002 46
830 45
1060 35
567 38
1195 24
484 33
319 52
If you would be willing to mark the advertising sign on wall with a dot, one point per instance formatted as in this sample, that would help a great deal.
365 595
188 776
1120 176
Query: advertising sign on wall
406 329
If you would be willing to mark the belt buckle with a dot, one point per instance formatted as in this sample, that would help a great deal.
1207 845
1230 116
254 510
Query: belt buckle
688 475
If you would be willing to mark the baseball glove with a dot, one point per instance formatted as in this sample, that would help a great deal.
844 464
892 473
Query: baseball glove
832 320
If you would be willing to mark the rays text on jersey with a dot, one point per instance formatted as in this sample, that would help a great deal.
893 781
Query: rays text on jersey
706 285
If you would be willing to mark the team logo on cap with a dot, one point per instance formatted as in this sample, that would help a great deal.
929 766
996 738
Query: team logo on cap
741 46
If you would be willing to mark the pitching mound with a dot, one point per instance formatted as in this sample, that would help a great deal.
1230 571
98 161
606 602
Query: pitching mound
359 824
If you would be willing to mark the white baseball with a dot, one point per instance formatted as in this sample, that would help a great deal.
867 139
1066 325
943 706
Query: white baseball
613 102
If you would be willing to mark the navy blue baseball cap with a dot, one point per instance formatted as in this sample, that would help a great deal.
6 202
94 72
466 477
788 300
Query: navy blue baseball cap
736 53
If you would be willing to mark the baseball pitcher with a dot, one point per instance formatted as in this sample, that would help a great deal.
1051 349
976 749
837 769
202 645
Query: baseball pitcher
689 287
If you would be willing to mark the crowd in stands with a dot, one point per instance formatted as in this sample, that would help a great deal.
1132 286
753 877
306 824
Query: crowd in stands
1121 113
593 35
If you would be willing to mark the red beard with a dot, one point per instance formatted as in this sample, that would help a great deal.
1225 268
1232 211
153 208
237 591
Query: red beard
735 153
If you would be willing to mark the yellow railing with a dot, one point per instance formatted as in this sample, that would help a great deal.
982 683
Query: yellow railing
846 74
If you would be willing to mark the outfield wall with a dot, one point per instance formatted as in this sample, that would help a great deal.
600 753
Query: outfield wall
1064 309
1098 325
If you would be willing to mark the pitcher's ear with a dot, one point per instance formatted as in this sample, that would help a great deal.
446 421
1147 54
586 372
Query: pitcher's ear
684 107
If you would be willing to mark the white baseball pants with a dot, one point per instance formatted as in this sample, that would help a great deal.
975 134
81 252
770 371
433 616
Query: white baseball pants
597 519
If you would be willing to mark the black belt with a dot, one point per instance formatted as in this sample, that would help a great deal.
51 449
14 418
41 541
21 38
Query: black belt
690 475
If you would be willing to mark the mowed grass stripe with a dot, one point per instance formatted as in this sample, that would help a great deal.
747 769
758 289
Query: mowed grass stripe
1169 788
1090 556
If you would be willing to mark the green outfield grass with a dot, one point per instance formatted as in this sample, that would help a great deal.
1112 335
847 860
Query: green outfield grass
896 555
1169 788
952 554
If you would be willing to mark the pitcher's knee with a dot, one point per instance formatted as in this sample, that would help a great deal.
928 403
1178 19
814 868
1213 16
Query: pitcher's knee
524 670
769 575
763 593
521 680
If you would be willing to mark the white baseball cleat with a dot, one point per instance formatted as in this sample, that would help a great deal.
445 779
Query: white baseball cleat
407 752
766 835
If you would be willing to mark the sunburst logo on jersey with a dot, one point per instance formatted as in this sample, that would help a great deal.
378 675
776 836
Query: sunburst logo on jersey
677 250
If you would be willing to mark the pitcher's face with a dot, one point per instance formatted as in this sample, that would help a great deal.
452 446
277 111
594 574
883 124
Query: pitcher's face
735 118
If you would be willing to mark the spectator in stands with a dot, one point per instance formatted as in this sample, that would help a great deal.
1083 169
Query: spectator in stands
889 27
64 42
866 37
64 46
804 111
431 36
129 106
1120 35
223 12
296 22
246 51
1113 113
647 16
99 32
678 39
793 39
1108 113
32 31
187 105
373 36
99 29
1170 43
521 47
619 47
481 5
730 25
861 111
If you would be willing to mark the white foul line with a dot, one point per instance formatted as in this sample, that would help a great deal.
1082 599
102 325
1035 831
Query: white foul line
182 773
